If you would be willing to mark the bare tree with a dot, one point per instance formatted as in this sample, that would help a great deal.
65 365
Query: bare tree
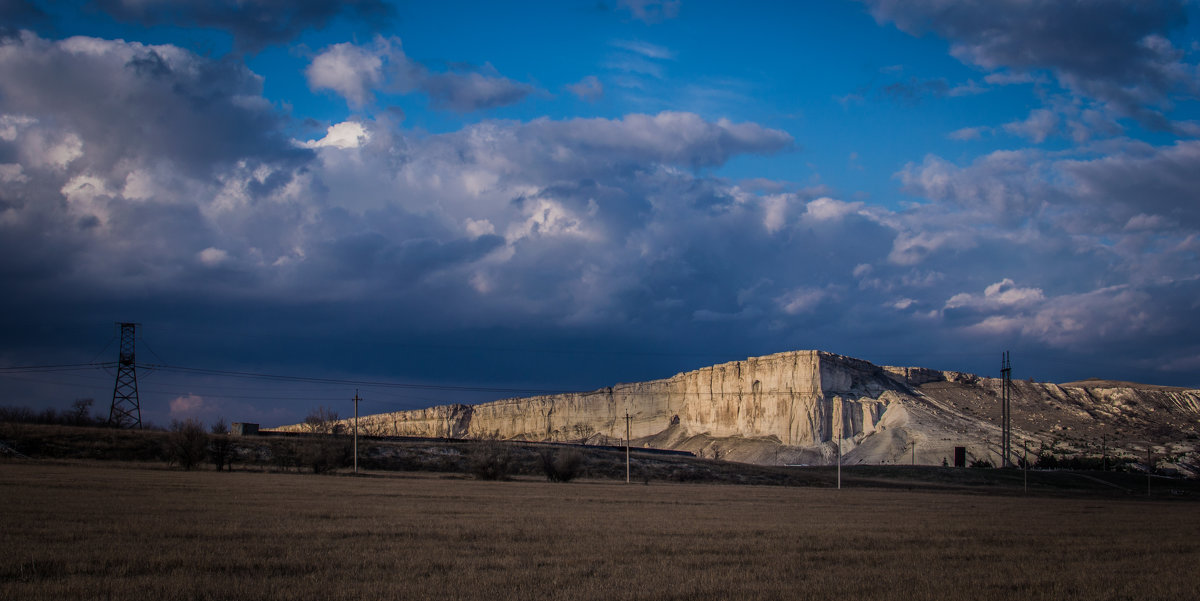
81 411
322 420
186 443
220 445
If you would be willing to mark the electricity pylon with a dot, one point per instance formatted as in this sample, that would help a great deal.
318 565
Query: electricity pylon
126 412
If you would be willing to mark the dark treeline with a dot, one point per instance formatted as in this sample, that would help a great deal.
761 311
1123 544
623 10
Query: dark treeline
78 414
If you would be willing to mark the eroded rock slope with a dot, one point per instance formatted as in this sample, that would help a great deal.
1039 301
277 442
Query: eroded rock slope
803 406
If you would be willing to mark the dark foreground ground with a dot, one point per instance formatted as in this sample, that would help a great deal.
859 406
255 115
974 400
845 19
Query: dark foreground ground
112 530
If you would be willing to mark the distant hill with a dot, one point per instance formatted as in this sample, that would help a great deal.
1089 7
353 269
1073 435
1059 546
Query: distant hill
799 407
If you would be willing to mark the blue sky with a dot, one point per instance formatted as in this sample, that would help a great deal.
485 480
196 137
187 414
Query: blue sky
565 195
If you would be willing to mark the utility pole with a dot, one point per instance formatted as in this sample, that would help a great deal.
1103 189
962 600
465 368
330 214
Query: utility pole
627 446
356 400
839 461
914 453
1149 468
1005 410
126 411
1025 445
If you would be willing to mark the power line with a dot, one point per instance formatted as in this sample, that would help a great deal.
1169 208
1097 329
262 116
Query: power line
58 367
346 382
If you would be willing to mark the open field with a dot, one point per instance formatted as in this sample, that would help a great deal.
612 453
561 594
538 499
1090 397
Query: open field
125 531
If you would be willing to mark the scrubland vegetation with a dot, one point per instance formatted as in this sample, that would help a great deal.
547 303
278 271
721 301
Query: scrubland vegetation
130 531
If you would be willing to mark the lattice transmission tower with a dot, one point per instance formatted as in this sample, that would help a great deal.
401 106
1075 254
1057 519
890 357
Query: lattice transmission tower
125 411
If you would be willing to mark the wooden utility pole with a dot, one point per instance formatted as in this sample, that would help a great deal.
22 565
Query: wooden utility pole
1025 445
839 462
1149 468
356 400
1005 410
627 446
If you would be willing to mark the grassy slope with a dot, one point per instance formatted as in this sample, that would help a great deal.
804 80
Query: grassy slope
119 531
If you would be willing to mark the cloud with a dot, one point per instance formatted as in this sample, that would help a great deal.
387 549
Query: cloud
801 300
18 14
357 72
1002 294
828 209
113 99
589 88
470 91
1111 50
646 49
651 11
344 135
1040 124
968 133
547 230
253 23
351 71
188 405
212 257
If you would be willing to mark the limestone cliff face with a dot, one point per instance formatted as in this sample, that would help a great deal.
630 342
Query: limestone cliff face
801 406
799 398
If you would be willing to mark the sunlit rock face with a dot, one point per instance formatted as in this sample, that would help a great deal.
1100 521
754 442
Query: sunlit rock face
810 406
799 398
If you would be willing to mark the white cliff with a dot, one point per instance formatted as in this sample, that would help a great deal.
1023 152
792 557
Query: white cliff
801 406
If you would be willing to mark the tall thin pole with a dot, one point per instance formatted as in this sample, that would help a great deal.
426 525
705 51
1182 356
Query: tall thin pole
839 462
356 400
1005 409
914 453
627 446
1025 445
1149 468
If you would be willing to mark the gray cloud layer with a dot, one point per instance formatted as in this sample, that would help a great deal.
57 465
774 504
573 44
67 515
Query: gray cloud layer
253 23
150 176
357 72
1115 51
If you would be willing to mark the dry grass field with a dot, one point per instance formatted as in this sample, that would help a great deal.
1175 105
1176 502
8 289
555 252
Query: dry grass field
127 531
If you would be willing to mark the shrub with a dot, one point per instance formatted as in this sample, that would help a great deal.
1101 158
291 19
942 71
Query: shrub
491 459
323 455
186 443
982 463
562 466
1046 461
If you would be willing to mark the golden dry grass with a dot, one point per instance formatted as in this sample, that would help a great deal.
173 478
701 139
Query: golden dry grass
94 531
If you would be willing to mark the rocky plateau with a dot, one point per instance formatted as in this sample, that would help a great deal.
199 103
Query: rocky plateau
803 407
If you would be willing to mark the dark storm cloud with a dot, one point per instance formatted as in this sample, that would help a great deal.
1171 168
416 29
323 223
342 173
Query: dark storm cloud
123 100
253 23
1111 50
18 14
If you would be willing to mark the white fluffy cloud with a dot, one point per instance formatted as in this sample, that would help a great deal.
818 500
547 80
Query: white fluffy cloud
352 72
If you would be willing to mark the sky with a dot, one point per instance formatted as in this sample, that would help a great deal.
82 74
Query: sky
460 201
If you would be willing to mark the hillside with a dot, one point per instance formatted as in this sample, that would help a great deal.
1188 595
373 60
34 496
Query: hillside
798 407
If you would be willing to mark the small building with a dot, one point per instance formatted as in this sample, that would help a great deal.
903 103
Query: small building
243 429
